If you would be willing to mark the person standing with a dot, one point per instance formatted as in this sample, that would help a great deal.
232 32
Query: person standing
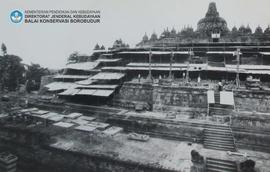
139 78
220 86
199 79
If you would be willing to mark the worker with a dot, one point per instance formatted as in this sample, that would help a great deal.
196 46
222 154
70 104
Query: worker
220 86
199 79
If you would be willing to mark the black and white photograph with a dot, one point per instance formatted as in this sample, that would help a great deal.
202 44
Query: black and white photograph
135 86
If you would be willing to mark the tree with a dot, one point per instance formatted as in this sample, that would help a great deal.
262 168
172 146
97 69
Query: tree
11 72
33 76
4 49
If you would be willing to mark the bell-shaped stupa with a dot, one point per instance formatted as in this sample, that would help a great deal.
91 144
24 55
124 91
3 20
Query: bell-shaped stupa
212 23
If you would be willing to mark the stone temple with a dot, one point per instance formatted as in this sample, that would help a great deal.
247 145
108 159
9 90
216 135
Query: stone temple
194 100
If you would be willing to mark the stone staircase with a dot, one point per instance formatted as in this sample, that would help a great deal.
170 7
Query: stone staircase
219 137
218 165
217 97
219 109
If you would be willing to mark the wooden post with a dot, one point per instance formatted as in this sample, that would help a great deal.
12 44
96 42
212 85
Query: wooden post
170 74
150 61
190 54
237 74
149 78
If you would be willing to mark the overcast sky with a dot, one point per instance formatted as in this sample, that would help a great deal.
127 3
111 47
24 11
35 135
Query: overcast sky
50 44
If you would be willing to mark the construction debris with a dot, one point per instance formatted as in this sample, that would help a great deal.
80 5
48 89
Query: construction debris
138 137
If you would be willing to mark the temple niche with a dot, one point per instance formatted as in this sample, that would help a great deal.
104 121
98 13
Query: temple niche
212 23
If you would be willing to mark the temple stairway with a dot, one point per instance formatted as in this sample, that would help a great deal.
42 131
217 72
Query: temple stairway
216 107
219 137
217 98
219 109
218 165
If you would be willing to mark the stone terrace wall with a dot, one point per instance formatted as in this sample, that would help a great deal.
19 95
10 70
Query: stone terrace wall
251 130
159 128
162 98
257 101
251 121
132 93
180 99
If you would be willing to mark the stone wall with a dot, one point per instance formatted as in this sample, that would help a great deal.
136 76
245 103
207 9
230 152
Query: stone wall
252 140
251 130
160 128
132 94
251 121
192 101
257 101
161 98
179 99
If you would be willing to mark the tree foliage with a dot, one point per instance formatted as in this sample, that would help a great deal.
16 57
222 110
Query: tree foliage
33 76
11 72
